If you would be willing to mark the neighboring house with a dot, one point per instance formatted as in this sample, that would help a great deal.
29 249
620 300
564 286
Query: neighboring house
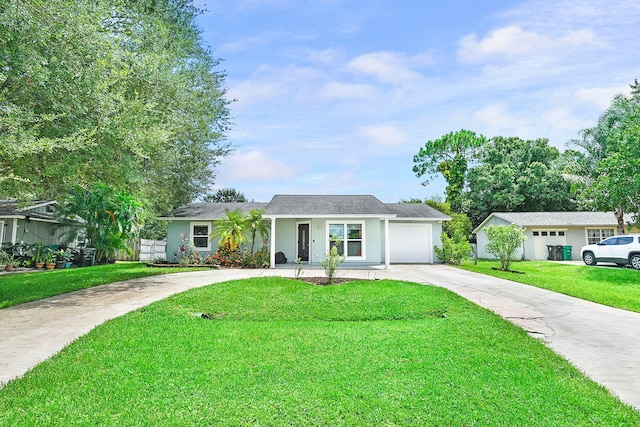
30 224
575 229
302 226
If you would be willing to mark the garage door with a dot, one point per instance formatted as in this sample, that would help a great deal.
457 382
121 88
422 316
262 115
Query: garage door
410 243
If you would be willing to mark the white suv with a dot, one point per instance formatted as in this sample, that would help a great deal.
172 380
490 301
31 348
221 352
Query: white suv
622 250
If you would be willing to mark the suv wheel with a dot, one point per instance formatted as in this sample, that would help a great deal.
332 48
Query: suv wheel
590 259
634 260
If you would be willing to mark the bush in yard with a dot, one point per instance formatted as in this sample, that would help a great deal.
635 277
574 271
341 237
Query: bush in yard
454 249
332 259
503 242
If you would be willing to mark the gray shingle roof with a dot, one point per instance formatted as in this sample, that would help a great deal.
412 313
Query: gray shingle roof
416 210
326 205
312 205
529 219
211 211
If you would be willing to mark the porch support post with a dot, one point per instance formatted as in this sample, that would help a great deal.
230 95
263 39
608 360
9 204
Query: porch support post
272 235
386 243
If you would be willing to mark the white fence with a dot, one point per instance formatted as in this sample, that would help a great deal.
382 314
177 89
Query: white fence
145 250
152 249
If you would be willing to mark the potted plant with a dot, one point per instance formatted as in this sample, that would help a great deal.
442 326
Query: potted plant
9 260
3 264
40 252
64 257
50 260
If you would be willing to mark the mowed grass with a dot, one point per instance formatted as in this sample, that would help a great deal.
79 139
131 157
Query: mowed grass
277 351
612 286
18 288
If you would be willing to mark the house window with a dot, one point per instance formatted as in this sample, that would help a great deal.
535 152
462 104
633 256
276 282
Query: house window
536 234
595 235
552 233
560 233
544 233
351 237
200 235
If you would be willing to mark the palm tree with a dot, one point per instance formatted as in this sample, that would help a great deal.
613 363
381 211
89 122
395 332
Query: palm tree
231 230
257 226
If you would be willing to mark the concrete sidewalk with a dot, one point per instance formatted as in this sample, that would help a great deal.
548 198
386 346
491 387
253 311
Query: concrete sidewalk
601 341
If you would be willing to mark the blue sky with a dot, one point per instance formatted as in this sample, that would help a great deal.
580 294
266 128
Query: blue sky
336 96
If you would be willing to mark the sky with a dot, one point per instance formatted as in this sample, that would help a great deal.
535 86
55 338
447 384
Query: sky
337 96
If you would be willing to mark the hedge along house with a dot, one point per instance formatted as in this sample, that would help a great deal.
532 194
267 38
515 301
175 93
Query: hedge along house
33 223
542 229
304 226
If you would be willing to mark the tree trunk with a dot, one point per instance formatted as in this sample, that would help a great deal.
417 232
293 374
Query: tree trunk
620 218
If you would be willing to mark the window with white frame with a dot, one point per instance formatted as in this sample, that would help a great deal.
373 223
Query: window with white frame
200 235
595 235
350 235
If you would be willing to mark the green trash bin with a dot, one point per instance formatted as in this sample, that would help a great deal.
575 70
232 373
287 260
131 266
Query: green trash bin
566 253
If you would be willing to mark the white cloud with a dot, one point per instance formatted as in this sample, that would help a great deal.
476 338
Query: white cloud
338 90
390 67
513 41
600 97
256 165
383 135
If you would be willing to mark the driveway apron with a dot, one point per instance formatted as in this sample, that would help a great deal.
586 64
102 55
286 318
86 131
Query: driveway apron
600 341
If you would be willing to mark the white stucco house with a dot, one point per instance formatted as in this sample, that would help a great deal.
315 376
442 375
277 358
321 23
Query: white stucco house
373 232
543 229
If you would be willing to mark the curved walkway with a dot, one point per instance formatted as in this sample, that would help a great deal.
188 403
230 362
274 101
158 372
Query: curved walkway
601 341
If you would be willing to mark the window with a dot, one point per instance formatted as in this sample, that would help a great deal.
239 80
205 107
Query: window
200 235
625 240
544 233
536 234
351 236
595 235
560 233
552 233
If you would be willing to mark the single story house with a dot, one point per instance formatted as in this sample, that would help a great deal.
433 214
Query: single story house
33 223
302 226
542 229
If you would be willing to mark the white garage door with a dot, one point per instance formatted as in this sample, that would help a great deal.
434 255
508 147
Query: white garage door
410 243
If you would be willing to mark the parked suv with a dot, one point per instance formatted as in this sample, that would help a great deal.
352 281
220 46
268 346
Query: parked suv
622 250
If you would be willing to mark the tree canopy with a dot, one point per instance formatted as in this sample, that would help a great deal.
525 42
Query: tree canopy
449 156
120 92
515 175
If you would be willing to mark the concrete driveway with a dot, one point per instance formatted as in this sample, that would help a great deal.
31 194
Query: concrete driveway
601 341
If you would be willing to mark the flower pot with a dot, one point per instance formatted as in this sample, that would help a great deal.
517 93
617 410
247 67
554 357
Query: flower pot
60 265
39 264
9 267
67 264
50 265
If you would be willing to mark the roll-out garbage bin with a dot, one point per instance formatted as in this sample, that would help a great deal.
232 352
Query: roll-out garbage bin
566 253
87 257
558 252
551 252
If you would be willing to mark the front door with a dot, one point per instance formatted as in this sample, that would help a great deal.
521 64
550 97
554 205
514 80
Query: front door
303 242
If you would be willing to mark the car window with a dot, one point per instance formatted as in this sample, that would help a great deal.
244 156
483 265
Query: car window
625 240
610 241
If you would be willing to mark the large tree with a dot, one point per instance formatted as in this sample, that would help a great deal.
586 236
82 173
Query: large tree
515 175
612 152
116 91
449 156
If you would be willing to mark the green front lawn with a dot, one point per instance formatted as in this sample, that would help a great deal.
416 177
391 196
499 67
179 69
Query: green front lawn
276 351
18 288
612 286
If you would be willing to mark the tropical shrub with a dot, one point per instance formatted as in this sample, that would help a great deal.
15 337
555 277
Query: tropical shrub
331 260
503 242
454 249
